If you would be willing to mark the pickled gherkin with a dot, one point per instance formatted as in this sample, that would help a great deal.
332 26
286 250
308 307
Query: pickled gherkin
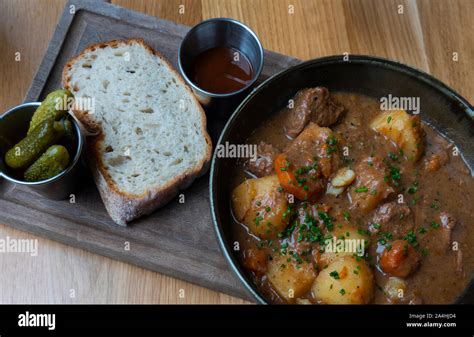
53 107
68 128
51 163
30 148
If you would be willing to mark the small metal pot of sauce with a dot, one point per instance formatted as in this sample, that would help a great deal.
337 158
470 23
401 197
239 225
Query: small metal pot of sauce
220 59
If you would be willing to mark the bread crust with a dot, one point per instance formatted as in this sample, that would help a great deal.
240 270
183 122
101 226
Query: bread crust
124 207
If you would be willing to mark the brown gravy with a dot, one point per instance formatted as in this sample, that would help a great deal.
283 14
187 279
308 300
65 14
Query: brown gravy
451 189
221 70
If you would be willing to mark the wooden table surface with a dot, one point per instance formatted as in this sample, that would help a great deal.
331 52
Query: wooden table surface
433 35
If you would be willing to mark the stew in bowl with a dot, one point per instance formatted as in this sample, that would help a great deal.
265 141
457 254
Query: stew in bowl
347 197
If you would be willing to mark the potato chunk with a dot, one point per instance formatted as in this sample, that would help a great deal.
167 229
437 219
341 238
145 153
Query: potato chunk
259 205
403 129
346 241
290 279
344 281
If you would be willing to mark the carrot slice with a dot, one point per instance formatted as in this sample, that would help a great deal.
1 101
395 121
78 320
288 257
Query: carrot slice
401 260
287 179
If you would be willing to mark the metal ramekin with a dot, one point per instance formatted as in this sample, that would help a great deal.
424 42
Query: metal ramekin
13 127
220 32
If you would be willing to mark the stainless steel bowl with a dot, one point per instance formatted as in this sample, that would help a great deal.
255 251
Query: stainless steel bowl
13 127
220 32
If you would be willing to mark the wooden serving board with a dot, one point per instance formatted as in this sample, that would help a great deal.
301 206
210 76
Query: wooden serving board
177 240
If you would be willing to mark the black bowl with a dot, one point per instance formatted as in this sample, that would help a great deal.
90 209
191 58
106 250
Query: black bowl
443 108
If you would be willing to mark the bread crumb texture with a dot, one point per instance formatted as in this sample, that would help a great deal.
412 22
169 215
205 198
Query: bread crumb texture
152 126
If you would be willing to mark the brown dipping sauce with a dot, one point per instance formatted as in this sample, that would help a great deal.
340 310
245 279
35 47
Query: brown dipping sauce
219 71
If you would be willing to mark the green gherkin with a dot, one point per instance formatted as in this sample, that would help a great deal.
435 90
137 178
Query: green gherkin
30 148
68 128
50 164
53 107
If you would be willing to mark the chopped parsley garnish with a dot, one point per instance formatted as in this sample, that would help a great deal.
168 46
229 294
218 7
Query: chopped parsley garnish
395 175
384 237
327 220
389 119
411 238
393 156
346 215
413 188
335 275
361 189
342 291
288 211
363 231
434 225
331 140
376 225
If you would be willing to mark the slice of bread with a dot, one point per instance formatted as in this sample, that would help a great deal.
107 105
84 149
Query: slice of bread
153 140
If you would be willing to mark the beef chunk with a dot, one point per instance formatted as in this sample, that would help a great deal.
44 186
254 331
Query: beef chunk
314 144
255 260
312 104
311 158
263 165
370 187
391 217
